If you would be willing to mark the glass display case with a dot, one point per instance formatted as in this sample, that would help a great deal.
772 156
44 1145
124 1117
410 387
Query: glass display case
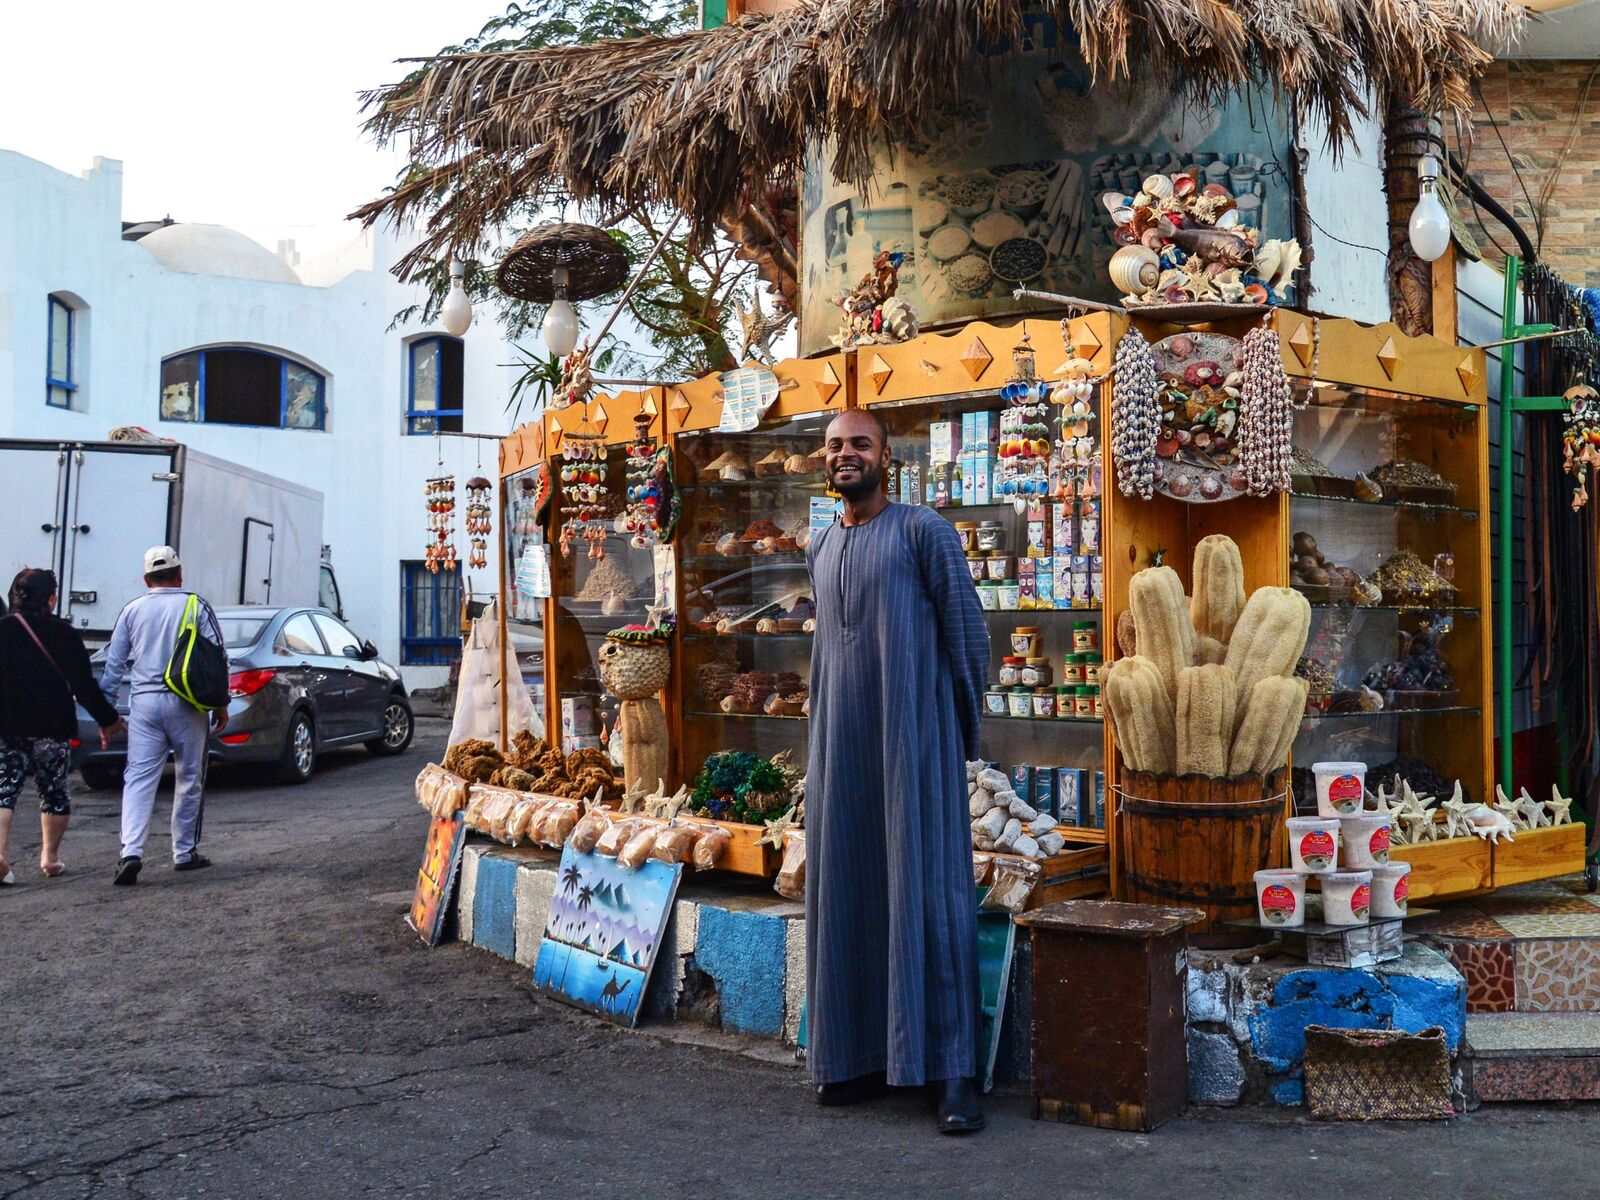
524 608
1385 541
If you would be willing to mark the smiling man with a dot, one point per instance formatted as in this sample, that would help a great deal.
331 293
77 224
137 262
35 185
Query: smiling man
897 676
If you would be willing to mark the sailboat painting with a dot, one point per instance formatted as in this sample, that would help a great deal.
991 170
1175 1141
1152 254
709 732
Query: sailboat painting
603 932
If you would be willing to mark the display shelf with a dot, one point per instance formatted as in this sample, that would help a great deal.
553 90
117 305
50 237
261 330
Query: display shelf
1403 609
749 637
1413 506
710 715
801 483
1453 710
1045 720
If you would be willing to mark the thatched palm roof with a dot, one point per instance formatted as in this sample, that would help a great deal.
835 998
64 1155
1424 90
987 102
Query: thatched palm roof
689 120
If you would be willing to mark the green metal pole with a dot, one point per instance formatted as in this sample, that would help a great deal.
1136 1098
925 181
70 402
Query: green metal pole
1510 319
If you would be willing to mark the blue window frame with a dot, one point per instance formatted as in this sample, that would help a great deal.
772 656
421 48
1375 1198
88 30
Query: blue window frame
434 385
60 375
240 385
430 615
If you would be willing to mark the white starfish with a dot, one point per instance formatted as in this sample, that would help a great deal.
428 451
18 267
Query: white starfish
1455 815
1419 826
1560 807
1508 808
1384 805
776 829
1532 810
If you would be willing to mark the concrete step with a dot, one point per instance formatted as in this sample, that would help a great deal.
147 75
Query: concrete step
1516 1056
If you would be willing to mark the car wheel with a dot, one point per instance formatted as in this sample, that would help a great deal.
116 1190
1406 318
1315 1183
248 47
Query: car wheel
398 726
101 777
299 751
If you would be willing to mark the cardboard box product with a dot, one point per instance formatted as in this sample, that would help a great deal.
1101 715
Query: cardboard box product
577 717
1038 529
1062 590
980 484
1044 583
1097 582
1044 790
1063 529
1082 590
1069 795
1022 779
1099 799
944 442
1027 584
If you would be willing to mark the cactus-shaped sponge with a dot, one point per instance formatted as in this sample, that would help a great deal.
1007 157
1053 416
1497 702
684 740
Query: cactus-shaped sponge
1268 726
1205 720
1161 620
1141 713
1268 639
1218 586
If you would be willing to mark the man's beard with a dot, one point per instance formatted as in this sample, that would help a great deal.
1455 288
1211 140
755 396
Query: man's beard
869 480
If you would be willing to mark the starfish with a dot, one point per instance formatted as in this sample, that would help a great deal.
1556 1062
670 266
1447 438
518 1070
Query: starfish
1507 808
1384 805
1537 818
1455 815
776 829
1560 807
672 805
633 799
1419 827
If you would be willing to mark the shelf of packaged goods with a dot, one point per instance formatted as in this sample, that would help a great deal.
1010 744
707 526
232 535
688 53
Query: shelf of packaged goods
1469 514
602 622
1045 720
743 636
1040 612
1456 710
722 716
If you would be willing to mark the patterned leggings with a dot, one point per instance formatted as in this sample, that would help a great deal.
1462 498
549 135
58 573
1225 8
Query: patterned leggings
48 760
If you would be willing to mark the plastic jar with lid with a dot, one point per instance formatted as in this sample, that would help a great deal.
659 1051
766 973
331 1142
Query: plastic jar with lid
1085 637
1011 671
991 535
1072 670
994 702
968 532
1097 705
1044 702
1036 672
1025 640
977 565
989 595
1064 700
1019 701
998 565
1091 669
1083 702
1010 595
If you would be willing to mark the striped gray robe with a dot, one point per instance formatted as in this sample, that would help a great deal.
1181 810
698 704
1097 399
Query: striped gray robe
897 677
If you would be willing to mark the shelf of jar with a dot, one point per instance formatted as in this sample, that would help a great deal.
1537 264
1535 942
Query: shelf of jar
1042 612
709 559
1417 506
1046 720
811 483
1373 401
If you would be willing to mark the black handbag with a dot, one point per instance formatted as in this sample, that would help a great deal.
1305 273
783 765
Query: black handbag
198 668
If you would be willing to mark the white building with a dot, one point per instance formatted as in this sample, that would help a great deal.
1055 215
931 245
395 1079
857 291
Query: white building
103 325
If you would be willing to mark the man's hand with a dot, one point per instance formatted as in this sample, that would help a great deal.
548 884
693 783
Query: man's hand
219 720
107 732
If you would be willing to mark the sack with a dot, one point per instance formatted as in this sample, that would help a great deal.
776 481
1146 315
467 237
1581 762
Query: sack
198 668
1377 1074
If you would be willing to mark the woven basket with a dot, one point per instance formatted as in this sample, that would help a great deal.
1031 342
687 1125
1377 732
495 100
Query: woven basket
1377 1074
595 263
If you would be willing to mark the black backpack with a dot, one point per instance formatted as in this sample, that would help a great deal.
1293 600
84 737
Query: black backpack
198 668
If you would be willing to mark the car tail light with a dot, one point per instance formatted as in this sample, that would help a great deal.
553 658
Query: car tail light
75 743
236 739
247 683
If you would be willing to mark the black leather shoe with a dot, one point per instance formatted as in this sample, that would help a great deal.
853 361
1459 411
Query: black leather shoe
127 871
852 1091
958 1107
195 862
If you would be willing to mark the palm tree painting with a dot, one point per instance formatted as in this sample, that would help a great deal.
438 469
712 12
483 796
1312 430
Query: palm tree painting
585 897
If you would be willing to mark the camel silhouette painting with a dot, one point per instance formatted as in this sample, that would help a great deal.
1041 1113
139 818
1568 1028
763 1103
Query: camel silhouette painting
602 932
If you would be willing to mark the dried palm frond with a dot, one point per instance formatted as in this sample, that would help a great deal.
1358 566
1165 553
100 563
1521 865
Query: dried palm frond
692 120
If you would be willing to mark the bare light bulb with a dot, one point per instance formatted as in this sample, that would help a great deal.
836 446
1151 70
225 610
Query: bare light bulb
560 328
1430 224
456 313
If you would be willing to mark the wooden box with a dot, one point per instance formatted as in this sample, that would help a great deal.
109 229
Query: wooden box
1108 1017
1456 867
1539 854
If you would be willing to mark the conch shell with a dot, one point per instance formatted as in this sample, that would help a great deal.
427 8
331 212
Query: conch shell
1134 269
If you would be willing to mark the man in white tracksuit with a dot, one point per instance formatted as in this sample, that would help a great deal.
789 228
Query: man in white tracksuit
158 718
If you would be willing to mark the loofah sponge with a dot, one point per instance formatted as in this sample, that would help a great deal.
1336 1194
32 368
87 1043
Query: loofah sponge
1161 621
1268 726
1141 713
1205 720
1268 639
1218 586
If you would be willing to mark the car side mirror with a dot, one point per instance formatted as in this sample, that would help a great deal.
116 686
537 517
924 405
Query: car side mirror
368 652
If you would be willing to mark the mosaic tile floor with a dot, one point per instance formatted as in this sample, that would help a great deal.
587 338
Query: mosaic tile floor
1534 948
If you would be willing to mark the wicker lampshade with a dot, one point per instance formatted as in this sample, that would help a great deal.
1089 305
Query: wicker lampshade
595 263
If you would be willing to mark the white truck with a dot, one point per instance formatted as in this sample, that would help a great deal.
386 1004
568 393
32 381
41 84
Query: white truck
89 510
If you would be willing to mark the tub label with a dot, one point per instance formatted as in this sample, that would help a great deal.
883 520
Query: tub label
1402 889
1344 793
1277 904
1361 901
1379 845
1317 850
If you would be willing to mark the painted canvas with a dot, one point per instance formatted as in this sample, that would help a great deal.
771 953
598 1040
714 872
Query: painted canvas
603 933
441 859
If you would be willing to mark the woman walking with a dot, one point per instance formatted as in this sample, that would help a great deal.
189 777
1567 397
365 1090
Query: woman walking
43 666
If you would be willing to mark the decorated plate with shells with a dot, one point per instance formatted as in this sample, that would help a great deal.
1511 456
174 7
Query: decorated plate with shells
1198 407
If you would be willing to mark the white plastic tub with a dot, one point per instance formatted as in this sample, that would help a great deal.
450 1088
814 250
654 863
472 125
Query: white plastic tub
1346 897
1281 898
1314 844
1340 787
1391 885
1366 840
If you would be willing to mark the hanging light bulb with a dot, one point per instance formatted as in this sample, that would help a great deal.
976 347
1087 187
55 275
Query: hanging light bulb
456 314
1430 223
560 328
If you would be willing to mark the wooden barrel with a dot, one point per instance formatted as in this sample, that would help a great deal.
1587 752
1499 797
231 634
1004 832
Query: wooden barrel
1200 843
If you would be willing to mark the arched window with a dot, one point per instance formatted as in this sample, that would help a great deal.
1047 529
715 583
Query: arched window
61 355
434 385
240 385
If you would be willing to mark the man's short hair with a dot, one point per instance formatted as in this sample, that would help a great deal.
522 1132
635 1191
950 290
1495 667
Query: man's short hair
872 415
164 578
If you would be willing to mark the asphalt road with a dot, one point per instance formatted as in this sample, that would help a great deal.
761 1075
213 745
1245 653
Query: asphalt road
269 1027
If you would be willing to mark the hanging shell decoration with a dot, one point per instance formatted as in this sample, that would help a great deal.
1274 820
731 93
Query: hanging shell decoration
478 522
1581 439
1184 240
439 494
586 499
653 506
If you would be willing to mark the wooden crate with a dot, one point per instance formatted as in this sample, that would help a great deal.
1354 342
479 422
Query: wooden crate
1441 870
743 856
1539 854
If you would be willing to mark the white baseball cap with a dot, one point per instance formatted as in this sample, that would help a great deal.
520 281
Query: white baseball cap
160 558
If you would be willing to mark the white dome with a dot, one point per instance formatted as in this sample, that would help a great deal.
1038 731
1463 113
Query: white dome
215 250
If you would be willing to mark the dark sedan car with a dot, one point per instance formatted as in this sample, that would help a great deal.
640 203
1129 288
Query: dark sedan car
301 682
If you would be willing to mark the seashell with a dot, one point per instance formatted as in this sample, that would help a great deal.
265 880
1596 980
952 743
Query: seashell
1288 264
1217 190
1255 294
1184 186
1159 186
1113 201
1122 214
1228 220
1133 269
1182 346
1268 258
1175 295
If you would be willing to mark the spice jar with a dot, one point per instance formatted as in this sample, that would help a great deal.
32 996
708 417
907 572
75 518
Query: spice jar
1064 700
1091 669
1044 702
989 595
1020 701
1010 595
1085 637
1072 670
1010 671
1097 706
998 565
1025 640
991 535
994 702
967 531
976 564
1083 702
1036 672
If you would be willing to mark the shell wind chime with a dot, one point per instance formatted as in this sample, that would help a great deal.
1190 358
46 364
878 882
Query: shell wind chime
440 496
1581 439
653 507
587 500
1025 440
1078 473
478 523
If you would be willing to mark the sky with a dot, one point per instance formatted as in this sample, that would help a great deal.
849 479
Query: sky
221 112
